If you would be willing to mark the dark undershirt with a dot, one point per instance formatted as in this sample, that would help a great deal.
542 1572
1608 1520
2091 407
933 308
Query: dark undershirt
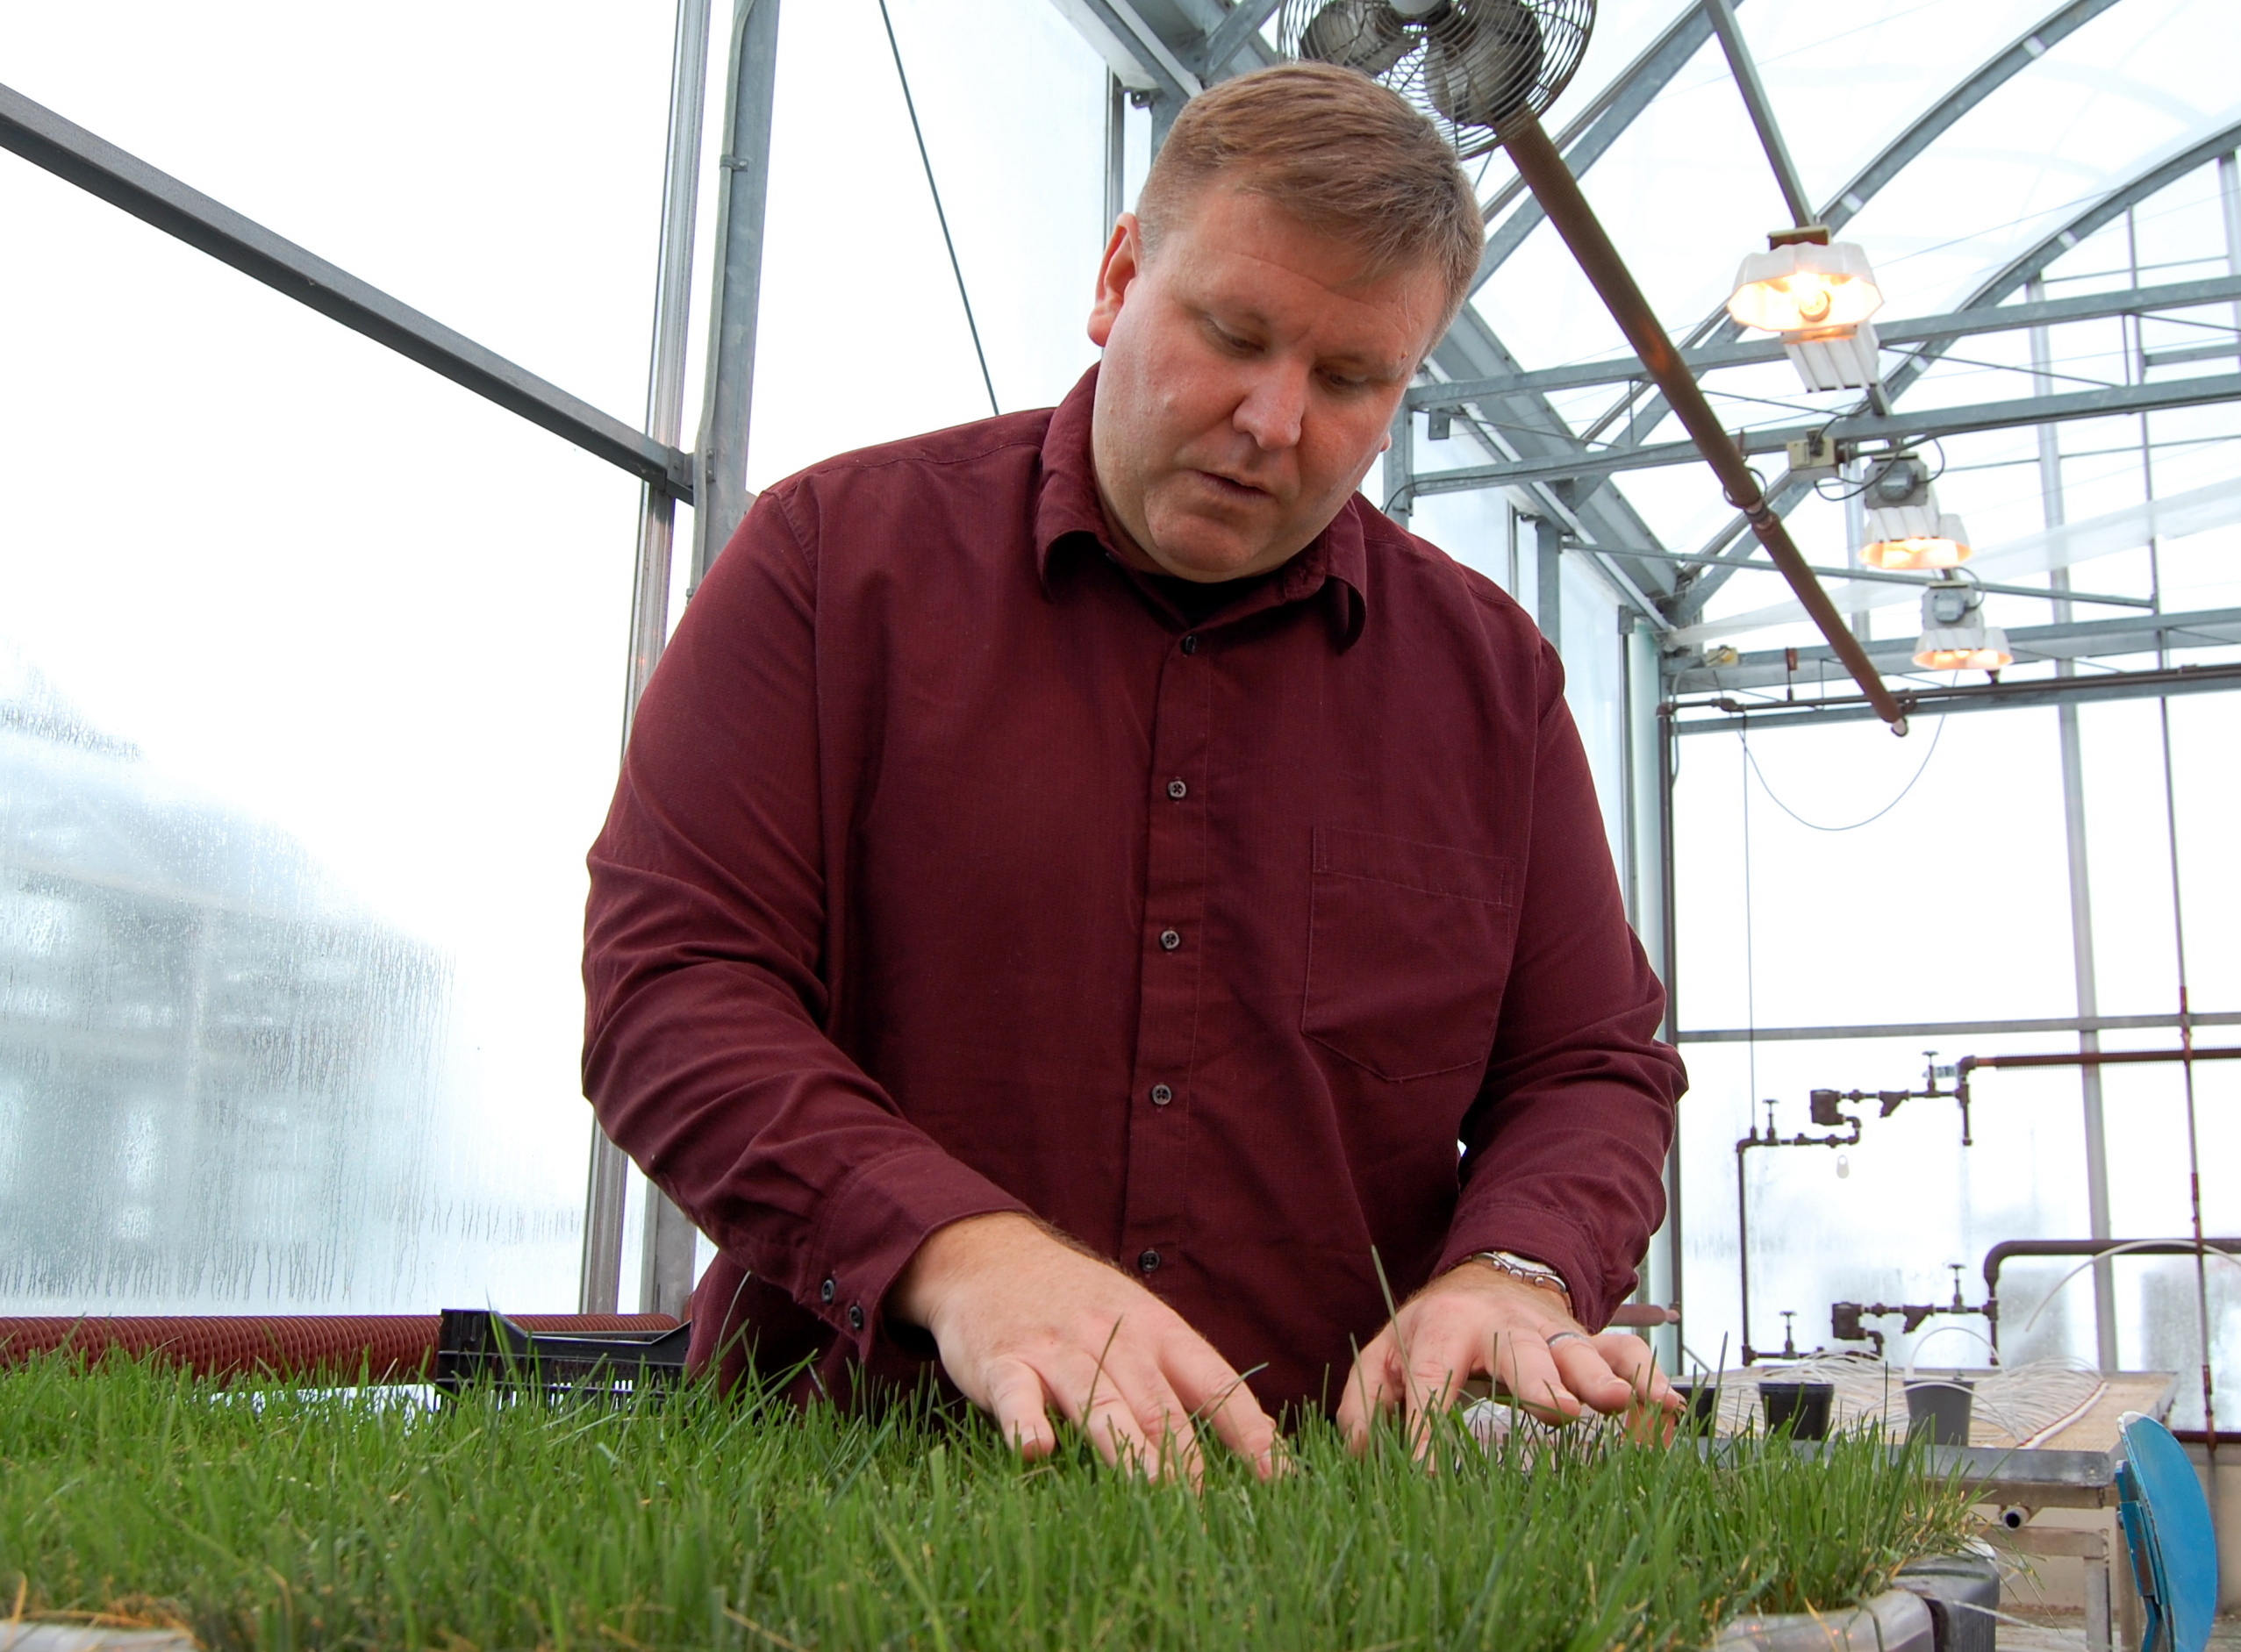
1199 601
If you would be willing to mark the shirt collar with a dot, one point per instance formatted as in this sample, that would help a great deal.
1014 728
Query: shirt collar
1069 512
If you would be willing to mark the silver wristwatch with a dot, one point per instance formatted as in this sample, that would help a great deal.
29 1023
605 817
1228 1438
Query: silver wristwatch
1532 1272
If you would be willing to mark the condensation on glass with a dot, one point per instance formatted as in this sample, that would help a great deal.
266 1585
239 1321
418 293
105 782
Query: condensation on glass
217 1073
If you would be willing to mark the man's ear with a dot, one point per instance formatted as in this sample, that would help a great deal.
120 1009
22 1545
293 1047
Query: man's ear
1123 263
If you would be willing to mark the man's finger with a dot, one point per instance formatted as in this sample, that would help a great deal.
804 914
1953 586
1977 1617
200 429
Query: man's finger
1108 1417
1217 1396
1635 1362
1019 1402
1440 1360
1586 1370
1370 1389
1166 1422
1525 1365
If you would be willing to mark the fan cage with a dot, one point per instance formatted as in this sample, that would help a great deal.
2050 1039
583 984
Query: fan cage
1466 64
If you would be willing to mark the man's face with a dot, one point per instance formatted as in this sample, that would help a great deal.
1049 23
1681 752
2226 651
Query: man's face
1251 370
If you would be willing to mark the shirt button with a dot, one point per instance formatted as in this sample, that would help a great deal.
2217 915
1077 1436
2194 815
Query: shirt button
1169 941
827 1291
1161 1094
856 1316
1149 1261
1178 791
1190 645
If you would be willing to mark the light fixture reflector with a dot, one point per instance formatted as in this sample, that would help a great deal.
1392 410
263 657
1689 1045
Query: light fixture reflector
1803 286
1904 543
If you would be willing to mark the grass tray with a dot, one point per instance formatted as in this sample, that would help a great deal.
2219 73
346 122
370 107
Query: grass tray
131 1494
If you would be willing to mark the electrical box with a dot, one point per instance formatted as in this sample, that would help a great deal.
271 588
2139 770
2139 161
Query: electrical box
1813 457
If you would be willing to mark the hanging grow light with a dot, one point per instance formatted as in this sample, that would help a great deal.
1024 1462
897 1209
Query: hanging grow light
1818 295
1901 538
1954 636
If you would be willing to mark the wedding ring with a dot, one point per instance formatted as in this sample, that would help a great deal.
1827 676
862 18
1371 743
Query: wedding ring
1567 1336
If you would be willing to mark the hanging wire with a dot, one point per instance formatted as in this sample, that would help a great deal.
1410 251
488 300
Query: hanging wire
1921 769
934 188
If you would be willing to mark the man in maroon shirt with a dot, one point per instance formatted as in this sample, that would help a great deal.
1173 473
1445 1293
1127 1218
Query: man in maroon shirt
1076 878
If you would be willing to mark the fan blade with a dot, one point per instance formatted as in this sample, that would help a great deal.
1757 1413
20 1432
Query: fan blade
1483 60
1359 34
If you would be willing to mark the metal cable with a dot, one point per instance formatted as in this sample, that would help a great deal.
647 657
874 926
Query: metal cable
934 188
1921 769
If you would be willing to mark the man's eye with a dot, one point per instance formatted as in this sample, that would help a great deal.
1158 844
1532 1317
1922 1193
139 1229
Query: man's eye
1230 340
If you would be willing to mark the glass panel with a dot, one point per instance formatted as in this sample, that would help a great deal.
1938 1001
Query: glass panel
309 704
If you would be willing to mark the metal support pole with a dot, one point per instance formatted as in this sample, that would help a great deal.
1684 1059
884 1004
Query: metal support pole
1558 192
1745 70
1547 578
2081 921
1165 107
1400 467
742 192
2229 199
667 1231
1116 153
1645 799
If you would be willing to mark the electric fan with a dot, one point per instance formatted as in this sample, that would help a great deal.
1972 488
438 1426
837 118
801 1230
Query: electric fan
1468 64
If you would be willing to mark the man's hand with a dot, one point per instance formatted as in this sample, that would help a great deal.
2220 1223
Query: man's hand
1476 1322
1025 1322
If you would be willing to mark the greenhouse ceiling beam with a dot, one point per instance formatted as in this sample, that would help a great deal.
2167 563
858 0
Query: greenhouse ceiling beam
2026 49
1744 69
1530 429
2149 181
2177 295
71 152
2103 637
1133 47
1926 423
1725 715
1231 35
1892 576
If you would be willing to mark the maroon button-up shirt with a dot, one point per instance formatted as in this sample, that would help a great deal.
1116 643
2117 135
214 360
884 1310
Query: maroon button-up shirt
952 871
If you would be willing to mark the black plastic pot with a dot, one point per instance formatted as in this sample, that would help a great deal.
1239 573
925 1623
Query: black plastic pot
1703 1405
1939 1409
1800 1407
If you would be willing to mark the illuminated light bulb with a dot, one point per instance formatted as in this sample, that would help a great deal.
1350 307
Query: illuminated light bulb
1803 285
1947 548
1986 651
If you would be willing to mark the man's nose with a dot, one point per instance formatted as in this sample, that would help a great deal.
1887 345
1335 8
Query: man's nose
1275 403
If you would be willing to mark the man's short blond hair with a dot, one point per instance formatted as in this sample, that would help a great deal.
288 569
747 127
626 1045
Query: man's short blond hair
1340 152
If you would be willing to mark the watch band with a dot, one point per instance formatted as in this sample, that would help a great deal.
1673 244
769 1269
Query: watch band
1524 1268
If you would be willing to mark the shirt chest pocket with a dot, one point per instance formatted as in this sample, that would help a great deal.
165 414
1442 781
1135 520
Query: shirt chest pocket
1408 946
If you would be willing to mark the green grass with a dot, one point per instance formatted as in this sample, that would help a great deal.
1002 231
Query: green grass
280 1520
